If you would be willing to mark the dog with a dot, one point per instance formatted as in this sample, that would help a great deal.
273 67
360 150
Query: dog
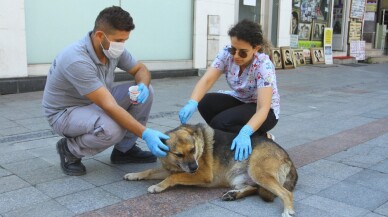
201 156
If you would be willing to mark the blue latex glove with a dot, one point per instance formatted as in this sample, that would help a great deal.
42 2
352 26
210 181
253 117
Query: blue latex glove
187 111
156 146
242 143
144 93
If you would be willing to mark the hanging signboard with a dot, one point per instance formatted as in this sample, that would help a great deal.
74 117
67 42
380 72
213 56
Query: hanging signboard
371 5
357 9
354 31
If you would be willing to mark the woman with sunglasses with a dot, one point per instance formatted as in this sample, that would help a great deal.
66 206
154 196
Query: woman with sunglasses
252 104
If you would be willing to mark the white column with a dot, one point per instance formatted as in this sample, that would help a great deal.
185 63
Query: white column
285 9
202 8
13 51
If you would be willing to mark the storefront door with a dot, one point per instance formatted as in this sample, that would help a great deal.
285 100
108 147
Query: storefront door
249 9
339 12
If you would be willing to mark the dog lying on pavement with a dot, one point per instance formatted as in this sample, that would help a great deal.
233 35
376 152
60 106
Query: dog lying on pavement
201 156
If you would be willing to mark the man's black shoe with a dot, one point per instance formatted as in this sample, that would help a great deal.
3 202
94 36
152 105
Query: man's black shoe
133 155
71 165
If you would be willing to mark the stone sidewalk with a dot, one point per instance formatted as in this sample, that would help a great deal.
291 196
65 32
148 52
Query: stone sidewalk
334 124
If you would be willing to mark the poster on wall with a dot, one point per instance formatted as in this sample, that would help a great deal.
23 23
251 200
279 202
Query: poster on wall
357 9
357 49
354 31
327 45
311 9
371 5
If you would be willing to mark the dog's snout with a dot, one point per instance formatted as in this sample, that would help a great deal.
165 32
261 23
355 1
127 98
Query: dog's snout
193 166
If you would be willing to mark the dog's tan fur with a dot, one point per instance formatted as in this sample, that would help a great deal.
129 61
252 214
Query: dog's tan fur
201 156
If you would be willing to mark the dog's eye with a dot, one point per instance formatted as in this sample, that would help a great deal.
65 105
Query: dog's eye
178 155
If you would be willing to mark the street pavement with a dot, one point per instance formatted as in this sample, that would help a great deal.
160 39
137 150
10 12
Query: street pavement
333 123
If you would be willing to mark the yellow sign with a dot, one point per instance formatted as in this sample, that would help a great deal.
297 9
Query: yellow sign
328 36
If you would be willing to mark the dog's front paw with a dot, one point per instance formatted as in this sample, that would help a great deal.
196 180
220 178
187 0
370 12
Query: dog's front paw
229 196
155 189
132 177
288 213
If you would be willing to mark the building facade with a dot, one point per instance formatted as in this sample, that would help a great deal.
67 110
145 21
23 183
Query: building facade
173 34
179 34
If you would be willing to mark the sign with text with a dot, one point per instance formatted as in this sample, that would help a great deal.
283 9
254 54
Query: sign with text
354 31
327 45
357 49
294 41
357 9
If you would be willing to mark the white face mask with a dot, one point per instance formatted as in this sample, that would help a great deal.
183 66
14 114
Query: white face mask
115 49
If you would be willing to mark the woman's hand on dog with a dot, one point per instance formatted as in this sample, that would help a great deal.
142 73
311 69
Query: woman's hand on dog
242 144
187 111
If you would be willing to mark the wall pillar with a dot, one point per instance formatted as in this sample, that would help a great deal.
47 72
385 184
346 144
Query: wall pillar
13 56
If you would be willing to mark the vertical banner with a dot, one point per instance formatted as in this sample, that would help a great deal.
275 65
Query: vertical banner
327 45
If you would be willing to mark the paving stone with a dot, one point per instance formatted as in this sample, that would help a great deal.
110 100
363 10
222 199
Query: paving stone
371 179
372 214
27 165
39 143
64 186
380 141
15 156
87 200
383 209
5 123
47 208
381 166
252 206
4 172
14 131
330 169
313 183
302 210
30 121
208 210
129 189
16 199
355 195
48 154
99 174
334 207
10 183
363 161
300 195
41 175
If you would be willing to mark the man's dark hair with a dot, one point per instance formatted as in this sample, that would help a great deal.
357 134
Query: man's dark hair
113 18
248 31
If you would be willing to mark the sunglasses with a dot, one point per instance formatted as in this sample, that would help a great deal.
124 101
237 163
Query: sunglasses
241 53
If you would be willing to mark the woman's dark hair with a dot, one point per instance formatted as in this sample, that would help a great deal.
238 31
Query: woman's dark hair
250 32
114 18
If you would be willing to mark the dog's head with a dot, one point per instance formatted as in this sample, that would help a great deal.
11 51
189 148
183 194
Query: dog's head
186 144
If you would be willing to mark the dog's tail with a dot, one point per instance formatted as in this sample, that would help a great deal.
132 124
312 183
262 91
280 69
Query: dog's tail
291 178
